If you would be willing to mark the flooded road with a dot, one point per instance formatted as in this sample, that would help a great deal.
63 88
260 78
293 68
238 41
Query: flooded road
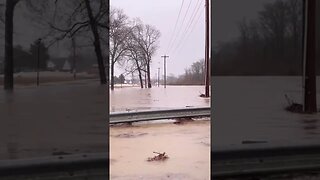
187 144
64 117
253 109
135 98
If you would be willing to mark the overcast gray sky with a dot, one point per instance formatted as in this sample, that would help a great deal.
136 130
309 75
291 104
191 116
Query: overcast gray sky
26 32
163 15
226 14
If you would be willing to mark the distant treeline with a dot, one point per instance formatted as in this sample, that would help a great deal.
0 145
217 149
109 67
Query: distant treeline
194 75
28 60
271 44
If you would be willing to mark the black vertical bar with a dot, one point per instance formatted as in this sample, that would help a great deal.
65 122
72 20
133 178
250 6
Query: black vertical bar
207 64
8 55
303 42
310 64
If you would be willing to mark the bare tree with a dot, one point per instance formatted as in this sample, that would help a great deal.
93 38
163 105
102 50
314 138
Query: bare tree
135 56
8 21
94 28
274 19
84 16
268 44
119 32
295 21
8 52
147 38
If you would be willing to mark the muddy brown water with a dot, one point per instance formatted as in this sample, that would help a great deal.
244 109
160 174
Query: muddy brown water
186 144
135 98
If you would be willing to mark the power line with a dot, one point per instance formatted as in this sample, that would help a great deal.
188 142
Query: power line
182 23
175 26
187 28
189 34
194 15
194 25
195 11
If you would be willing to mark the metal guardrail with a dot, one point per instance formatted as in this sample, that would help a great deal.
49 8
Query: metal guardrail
125 117
87 166
265 162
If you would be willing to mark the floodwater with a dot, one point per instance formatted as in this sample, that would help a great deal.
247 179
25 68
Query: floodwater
62 117
253 109
135 98
187 144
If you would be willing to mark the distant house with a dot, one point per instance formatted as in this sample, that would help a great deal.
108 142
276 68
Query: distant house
51 66
66 66
59 64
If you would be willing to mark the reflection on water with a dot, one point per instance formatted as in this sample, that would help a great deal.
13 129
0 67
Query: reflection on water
135 98
310 126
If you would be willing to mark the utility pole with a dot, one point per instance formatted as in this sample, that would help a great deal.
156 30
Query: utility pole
74 58
207 63
164 69
38 62
132 79
158 77
310 100
145 77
